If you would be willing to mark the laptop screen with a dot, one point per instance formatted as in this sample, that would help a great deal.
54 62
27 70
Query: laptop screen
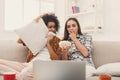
59 70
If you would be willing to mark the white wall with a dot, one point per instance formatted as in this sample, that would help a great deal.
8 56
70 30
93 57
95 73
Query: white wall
60 13
111 19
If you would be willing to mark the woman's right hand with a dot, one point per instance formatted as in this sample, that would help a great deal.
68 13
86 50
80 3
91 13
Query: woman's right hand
72 35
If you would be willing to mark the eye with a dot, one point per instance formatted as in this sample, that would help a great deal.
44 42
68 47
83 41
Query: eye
68 26
73 25
51 26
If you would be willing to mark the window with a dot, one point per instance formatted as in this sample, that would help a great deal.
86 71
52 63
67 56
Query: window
47 6
13 13
20 12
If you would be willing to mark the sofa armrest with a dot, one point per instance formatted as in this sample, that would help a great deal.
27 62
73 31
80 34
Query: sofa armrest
106 52
11 50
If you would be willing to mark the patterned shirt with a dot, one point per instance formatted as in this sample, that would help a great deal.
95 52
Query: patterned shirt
75 54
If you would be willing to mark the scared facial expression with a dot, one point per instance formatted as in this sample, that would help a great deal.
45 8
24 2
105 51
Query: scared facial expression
72 27
51 27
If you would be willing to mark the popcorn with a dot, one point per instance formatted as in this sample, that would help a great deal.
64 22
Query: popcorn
64 44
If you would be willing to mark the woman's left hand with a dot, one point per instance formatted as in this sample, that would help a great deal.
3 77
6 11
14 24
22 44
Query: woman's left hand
37 19
64 50
21 42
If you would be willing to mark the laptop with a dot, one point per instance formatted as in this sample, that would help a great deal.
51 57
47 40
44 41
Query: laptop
59 70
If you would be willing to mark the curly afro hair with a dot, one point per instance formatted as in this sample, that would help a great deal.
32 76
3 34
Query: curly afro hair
51 18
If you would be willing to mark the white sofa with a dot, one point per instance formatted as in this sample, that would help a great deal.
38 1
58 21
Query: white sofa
11 50
104 52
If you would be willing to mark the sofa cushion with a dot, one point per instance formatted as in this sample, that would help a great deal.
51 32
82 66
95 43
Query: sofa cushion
111 68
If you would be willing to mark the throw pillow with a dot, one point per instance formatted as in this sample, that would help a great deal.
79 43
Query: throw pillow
111 68
34 35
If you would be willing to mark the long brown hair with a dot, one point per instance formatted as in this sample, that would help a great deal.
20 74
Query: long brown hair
66 34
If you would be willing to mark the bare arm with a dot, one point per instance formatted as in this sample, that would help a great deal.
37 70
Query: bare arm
53 55
79 46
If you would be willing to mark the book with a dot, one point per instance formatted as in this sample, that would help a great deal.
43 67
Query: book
75 9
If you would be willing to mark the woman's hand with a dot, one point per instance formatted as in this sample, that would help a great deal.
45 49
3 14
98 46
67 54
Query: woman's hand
65 46
72 35
21 42
64 53
64 50
37 19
